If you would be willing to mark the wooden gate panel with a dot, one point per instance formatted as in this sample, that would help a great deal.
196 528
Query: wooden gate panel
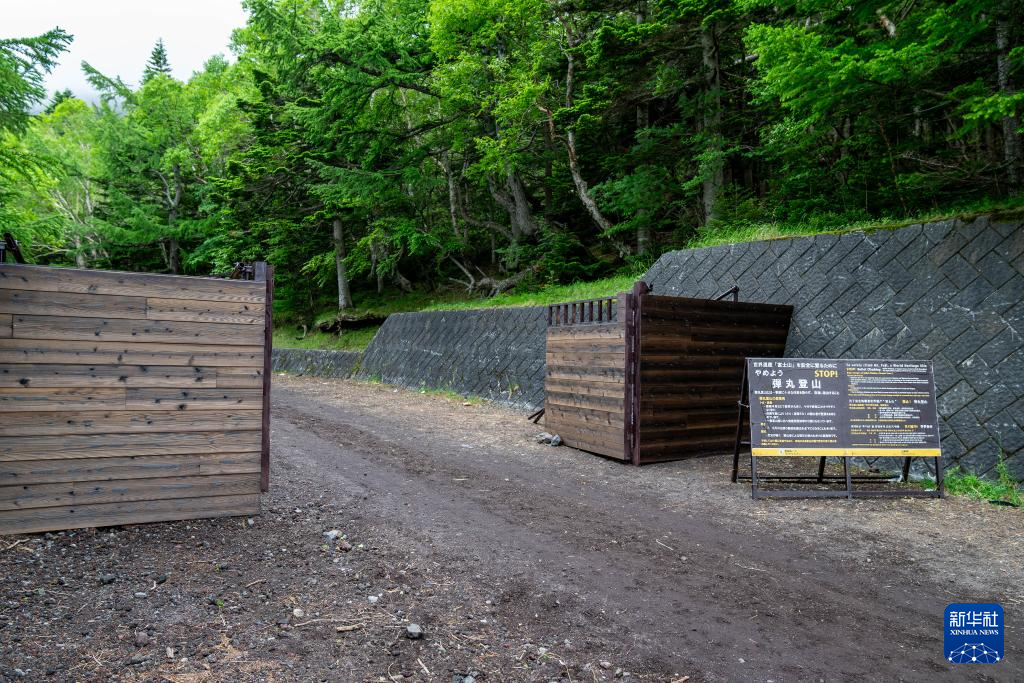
690 366
128 397
585 374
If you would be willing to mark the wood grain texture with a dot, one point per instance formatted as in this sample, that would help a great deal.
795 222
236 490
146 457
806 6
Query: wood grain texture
72 280
21 472
128 422
27 302
29 399
109 514
688 370
85 376
241 312
53 351
240 378
194 399
145 331
128 398
120 445
130 490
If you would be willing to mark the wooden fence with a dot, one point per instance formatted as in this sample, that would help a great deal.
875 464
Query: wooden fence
659 382
586 363
129 397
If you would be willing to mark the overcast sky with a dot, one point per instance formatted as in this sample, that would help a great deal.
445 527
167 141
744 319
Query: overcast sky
116 36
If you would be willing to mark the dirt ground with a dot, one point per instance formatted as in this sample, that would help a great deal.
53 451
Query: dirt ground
518 561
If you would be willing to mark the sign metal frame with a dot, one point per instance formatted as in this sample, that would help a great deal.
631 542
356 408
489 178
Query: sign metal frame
847 478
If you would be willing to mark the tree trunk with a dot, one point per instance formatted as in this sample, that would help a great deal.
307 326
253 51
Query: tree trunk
715 175
344 294
79 253
173 256
1011 124
643 120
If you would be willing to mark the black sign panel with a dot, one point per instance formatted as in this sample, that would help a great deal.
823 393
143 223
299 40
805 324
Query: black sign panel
820 407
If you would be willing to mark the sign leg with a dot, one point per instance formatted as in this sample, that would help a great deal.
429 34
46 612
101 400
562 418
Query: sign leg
821 470
906 470
849 481
739 426
940 485
753 475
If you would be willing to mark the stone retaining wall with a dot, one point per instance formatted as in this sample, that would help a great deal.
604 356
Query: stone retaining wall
950 292
317 362
496 353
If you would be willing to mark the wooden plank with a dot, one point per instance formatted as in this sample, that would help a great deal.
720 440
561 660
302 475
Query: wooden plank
575 372
5 324
128 490
593 360
587 416
240 378
119 445
127 353
587 332
586 441
21 472
145 331
577 400
191 310
27 399
600 430
70 280
128 422
586 346
678 306
110 514
607 389
33 375
684 446
194 399
31 302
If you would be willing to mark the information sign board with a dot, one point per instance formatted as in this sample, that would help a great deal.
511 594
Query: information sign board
866 408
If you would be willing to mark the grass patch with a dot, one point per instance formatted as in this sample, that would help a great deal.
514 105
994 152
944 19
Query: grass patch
544 296
1003 489
290 337
735 232
453 396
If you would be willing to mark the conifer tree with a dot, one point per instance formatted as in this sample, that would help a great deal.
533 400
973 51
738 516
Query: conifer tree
157 64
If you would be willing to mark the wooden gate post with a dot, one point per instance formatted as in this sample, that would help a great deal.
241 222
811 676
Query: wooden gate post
265 273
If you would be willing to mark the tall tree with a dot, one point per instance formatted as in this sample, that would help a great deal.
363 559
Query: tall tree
158 65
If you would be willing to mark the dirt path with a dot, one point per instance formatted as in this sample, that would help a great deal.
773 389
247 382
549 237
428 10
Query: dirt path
521 562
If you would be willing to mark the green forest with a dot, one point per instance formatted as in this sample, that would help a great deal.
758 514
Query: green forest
469 148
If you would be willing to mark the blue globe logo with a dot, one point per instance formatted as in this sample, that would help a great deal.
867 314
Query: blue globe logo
970 653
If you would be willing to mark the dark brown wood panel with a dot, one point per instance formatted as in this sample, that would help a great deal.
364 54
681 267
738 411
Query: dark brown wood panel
5 324
690 369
